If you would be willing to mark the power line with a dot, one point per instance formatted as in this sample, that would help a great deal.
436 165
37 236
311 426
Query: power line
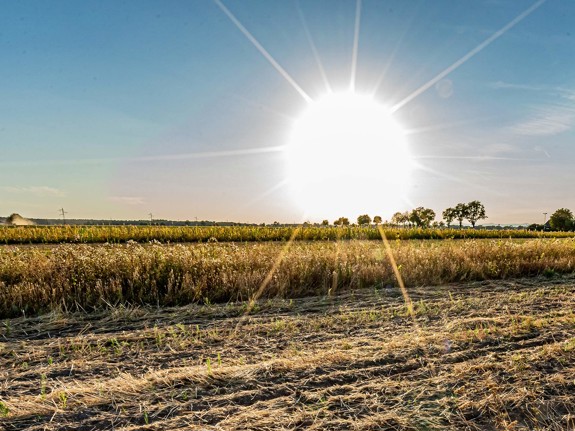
63 213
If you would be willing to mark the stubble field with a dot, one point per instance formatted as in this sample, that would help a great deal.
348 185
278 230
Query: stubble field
481 347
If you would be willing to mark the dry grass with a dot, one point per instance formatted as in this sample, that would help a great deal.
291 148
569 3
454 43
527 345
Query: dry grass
487 356
78 277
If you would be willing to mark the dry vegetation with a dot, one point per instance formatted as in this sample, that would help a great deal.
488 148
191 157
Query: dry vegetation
119 349
178 234
480 356
83 277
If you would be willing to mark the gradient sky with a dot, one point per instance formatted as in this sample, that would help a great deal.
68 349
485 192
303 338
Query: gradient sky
115 109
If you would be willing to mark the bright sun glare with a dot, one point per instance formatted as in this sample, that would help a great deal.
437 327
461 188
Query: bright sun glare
348 156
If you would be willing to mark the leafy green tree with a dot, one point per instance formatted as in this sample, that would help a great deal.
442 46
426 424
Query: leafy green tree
325 223
475 212
562 219
422 217
460 213
449 214
377 220
363 220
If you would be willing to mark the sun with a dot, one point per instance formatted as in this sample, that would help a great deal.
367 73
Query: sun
346 156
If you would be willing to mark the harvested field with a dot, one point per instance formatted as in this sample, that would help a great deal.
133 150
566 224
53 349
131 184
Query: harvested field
479 356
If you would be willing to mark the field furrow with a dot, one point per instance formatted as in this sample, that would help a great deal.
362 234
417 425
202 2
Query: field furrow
484 355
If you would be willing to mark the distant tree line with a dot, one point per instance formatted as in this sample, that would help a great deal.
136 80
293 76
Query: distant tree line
561 220
424 217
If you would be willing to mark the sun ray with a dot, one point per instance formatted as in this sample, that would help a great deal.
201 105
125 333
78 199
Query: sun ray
355 44
268 192
335 277
383 73
210 154
456 180
398 277
446 126
313 48
165 157
263 51
478 158
469 55
265 283
262 106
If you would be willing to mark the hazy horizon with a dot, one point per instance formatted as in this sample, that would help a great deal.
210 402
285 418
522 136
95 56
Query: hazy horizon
186 109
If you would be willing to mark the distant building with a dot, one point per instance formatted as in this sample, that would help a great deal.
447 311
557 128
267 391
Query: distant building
18 220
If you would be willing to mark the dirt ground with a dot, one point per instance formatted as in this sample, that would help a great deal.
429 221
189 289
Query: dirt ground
480 356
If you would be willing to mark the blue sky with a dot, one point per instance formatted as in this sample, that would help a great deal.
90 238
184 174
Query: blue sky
115 109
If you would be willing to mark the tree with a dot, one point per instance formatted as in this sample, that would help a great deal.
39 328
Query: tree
400 218
363 219
475 211
377 220
449 214
562 219
460 213
342 221
422 217
325 223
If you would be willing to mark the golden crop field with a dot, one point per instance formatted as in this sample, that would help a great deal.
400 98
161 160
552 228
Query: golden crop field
83 277
177 234
289 335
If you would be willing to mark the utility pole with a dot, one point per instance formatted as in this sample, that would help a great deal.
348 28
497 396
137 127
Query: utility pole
63 215
151 218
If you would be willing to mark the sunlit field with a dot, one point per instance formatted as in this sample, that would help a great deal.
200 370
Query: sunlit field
287 334
84 277
177 234
307 113
474 355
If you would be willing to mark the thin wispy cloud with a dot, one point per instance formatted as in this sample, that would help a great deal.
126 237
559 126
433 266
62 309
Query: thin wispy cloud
561 92
127 200
540 149
510 86
547 121
34 190
566 93
553 117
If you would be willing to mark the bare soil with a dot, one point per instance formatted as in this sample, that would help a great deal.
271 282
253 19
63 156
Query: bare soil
479 356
